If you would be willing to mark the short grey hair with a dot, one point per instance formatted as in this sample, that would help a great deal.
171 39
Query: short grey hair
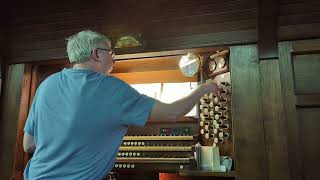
80 45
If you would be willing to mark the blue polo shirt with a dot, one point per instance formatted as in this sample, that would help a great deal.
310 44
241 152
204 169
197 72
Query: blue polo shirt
78 119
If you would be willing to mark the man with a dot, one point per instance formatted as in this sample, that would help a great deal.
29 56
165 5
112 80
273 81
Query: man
79 116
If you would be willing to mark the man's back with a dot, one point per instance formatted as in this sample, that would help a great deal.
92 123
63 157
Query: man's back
78 124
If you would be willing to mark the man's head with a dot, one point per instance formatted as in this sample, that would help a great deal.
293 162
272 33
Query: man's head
91 49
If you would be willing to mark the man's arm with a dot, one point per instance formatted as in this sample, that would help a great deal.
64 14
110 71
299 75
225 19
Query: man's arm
28 143
171 112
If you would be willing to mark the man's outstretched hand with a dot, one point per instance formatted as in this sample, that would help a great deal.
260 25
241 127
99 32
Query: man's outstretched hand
211 87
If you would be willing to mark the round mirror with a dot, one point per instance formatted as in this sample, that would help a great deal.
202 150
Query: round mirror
190 64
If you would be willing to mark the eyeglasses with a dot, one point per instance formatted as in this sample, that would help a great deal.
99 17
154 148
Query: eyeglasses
111 52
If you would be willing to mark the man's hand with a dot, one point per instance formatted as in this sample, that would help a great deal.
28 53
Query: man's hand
210 87
171 112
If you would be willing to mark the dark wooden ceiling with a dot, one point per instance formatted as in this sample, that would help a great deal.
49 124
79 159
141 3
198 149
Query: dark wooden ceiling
39 29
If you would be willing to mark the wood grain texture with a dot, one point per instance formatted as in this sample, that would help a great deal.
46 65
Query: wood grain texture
287 88
147 64
274 121
19 161
306 69
267 29
306 46
9 118
250 149
299 19
296 32
308 100
39 31
309 126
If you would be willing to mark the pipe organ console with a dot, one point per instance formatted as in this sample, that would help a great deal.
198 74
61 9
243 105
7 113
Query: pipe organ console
164 147
215 123
170 147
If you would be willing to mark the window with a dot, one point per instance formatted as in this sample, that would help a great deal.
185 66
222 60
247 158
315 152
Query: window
168 92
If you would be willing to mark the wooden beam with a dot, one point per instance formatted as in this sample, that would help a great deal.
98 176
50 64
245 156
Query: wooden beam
248 130
10 117
288 95
19 164
267 29
274 121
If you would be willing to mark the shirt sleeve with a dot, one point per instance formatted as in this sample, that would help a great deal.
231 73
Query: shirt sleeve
136 107
30 123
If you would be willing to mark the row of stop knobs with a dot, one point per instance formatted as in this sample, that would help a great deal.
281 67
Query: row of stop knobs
129 154
124 165
214 116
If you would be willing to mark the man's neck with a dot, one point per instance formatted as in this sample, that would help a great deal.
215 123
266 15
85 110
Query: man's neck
84 66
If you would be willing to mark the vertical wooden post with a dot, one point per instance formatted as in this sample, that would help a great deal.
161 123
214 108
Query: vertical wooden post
24 108
250 149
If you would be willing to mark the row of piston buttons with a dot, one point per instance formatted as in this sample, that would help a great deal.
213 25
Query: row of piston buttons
213 124
128 154
124 165
160 135
213 115
133 143
207 98
216 107
211 96
214 133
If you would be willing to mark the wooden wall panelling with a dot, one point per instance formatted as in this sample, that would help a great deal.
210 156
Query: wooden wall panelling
168 25
33 85
19 161
306 57
267 29
310 100
301 48
148 64
164 44
40 35
299 19
1 76
306 69
250 149
45 71
274 121
309 125
9 117
287 87
4 45
306 46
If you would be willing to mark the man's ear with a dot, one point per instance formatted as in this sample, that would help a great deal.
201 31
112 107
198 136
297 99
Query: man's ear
95 55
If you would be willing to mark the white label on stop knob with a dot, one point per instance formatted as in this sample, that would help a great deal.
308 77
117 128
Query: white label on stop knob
221 135
217 126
